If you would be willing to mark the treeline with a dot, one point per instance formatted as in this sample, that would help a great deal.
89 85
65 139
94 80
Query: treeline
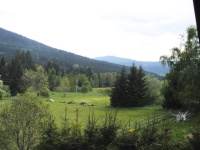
28 124
21 73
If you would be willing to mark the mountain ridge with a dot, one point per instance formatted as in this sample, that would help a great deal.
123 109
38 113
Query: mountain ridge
10 42
150 66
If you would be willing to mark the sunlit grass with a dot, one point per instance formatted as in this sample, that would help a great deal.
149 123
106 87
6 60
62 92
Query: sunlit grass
101 102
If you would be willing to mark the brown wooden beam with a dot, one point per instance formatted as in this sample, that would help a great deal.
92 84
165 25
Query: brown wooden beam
197 15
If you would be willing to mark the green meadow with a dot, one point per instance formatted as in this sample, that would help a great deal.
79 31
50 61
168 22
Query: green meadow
101 103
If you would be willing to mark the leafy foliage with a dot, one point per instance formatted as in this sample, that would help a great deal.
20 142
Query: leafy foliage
1 89
23 122
86 87
35 81
154 86
182 83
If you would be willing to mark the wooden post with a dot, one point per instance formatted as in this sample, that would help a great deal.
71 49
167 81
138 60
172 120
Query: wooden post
196 4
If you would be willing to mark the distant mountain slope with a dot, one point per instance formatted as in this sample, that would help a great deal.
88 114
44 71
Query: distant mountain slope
154 67
10 42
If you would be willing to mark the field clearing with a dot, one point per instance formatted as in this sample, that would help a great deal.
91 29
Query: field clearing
101 104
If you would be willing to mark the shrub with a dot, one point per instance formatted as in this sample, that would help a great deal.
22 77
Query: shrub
45 92
108 130
128 137
91 132
23 121
195 138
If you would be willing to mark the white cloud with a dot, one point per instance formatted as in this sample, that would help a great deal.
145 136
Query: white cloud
140 30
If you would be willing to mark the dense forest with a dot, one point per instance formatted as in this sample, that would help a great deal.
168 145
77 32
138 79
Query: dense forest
22 73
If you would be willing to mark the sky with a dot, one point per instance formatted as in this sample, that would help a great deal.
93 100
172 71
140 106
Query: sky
136 29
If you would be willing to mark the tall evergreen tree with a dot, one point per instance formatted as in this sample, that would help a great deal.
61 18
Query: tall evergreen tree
141 90
130 90
118 96
3 68
15 74
19 63
132 87
28 61
99 79
52 79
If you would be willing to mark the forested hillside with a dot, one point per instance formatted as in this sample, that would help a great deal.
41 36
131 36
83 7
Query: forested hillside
11 42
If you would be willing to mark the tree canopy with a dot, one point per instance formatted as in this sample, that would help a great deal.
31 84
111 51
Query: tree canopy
182 84
22 122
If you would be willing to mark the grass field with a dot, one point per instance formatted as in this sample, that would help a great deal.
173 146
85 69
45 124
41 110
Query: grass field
101 104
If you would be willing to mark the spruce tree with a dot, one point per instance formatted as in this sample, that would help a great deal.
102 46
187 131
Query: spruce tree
130 90
132 87
19 63
15 74
3 68
118 96
28 61
141 90
52 78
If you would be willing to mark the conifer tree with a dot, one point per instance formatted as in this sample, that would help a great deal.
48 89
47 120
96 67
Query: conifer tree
3 68
118 97
141 90
15 74
130 90
132 87
19 63
28 61
52 78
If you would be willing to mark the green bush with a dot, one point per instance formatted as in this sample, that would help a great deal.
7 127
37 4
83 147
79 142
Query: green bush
128 138
45 92
84 89
195 137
